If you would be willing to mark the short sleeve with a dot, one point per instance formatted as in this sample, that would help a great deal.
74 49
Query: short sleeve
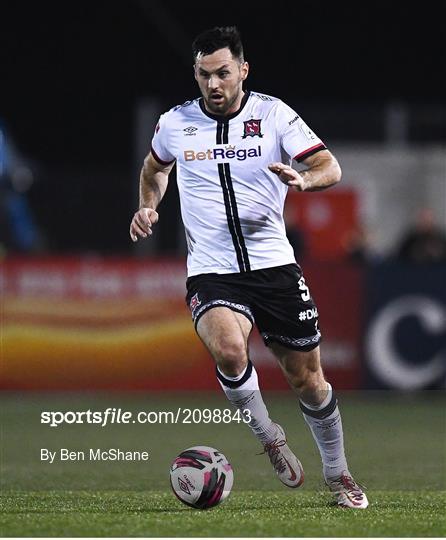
296 138
160 143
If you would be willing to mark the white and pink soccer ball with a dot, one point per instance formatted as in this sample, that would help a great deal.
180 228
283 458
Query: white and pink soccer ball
201 477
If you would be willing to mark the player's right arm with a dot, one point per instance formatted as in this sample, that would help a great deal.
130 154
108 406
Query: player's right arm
152 186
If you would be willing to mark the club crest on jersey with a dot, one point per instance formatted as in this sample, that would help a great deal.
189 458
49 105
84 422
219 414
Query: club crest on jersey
251 128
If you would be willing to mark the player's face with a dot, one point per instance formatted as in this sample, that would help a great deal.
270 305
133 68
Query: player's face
220 78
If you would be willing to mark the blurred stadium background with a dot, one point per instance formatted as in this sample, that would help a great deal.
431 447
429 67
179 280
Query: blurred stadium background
83 308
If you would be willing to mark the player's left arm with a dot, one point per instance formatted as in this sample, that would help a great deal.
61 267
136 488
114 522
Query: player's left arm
322 171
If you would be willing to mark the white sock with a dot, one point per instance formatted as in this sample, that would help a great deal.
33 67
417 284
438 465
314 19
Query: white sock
243 392
326 426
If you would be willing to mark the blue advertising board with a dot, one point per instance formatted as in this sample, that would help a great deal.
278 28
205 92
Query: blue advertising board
405 338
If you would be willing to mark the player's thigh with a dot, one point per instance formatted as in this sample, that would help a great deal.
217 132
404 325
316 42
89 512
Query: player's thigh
285 312
225 333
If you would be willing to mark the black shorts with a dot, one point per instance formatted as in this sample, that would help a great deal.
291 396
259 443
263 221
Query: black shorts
276 299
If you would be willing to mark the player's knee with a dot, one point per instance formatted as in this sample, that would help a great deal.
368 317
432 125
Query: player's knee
231 357
314 393
311 386
299 380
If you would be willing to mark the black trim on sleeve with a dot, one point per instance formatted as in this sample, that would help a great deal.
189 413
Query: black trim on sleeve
307 153
158 159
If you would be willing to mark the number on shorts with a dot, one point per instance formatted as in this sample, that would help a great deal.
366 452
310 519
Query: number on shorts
306 294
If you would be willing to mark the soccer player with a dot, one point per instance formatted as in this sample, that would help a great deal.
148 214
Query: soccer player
233 149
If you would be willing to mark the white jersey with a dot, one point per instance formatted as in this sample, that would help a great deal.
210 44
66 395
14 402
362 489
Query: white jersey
231 203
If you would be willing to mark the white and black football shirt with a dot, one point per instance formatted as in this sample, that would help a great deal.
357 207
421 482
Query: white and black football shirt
231 204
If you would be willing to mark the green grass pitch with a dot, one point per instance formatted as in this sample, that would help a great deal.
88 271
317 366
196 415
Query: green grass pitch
396 446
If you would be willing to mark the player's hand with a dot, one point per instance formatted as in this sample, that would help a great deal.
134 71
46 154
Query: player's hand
288 175
142 223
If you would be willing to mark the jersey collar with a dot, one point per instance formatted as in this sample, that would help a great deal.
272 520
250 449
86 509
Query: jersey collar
221 118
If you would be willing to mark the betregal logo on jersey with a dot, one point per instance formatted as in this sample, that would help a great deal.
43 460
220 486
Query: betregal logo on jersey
223 153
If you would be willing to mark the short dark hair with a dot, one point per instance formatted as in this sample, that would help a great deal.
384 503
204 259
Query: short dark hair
217 38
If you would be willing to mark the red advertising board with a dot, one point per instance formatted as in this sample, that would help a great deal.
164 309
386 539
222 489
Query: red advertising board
326 220
87 323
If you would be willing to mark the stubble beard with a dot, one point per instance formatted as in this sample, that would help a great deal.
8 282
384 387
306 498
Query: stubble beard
224 107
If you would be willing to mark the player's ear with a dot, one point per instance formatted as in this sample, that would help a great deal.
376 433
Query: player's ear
194 67
244 70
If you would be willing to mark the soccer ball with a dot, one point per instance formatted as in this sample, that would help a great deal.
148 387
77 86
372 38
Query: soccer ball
201 477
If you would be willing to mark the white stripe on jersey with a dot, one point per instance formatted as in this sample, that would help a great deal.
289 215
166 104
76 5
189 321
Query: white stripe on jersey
231 204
